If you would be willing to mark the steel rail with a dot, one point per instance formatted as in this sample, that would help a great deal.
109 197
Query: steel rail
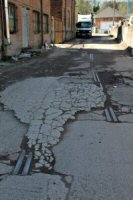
113 114
19 163
27 165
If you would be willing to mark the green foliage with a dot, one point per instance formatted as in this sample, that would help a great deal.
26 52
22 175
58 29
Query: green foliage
83 7
121 6
96 8
109 4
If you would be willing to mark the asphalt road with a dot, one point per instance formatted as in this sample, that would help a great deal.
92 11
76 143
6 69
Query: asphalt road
54 106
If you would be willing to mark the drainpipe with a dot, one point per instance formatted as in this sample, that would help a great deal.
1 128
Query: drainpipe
41 6
113 12
65 20
2 29
71 18
129 8
7 22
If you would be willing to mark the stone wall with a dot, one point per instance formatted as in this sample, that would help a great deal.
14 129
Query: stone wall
123 33
127 35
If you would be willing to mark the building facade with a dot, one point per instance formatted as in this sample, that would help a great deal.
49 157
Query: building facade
30 23
63 20
24 24
107 18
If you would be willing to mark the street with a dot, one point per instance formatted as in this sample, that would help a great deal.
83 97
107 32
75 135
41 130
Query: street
69 110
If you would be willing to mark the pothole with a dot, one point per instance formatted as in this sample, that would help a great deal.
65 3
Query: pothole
108 78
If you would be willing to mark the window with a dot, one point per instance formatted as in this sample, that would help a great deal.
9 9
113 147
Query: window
13 21
36 22
45 23
84 25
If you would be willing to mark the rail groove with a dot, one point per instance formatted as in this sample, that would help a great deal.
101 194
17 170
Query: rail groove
23 164
110 115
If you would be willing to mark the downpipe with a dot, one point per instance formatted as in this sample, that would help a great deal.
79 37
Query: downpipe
2 30
41 11
7 31
4 26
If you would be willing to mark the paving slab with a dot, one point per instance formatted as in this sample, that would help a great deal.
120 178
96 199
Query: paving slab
126 118
11 132
35 187
5 169
99 156
122 94
94 116
37 108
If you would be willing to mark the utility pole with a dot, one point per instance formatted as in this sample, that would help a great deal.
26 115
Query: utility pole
113 12
94 3
129 8
65 20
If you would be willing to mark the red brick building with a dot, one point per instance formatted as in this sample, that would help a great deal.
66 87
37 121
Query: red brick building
28 23
106 18
63 20
24 24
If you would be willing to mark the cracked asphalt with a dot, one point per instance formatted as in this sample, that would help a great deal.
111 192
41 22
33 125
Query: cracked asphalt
53 106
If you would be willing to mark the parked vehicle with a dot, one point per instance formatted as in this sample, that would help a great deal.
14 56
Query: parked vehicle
84 25
130 21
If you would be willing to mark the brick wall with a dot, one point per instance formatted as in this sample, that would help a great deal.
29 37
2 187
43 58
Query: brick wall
98 21
63 21
34 39
0 37
63 12
70 19
57 19
56 9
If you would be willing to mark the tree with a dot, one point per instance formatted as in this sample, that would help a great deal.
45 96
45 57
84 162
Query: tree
119 5
83 7
96 8
110 4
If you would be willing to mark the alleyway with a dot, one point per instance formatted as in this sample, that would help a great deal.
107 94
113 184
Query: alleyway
71 109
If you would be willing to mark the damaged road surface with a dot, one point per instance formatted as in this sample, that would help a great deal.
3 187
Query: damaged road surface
55 119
